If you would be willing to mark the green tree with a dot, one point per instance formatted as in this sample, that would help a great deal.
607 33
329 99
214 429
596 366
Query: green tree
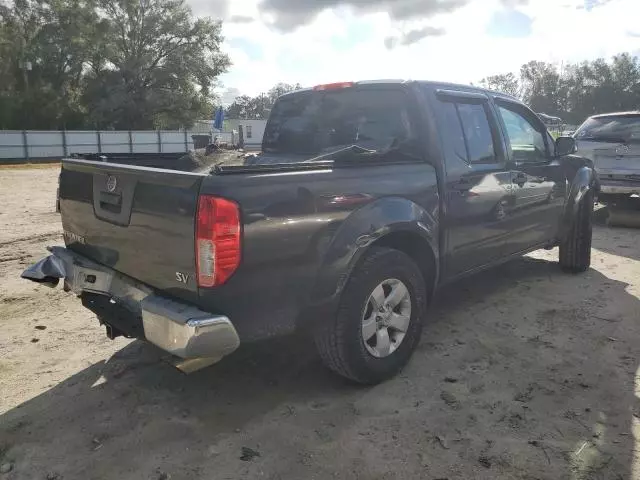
241 108
599 87
542 87
159 66
106 64
626 76
280 89
576 91
260 106
505 83
45 45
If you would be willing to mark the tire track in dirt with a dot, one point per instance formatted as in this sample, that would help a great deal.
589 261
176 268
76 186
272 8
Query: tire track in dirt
32 239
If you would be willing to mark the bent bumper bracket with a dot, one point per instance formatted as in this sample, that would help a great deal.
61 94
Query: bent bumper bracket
195 336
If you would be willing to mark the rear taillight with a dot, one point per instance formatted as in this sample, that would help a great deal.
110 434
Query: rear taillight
217 240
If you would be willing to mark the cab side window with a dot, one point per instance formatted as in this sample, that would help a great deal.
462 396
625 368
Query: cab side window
467 132
477 132
454 138
527 144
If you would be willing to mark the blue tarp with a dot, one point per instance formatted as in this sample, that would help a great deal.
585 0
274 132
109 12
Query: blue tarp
218 119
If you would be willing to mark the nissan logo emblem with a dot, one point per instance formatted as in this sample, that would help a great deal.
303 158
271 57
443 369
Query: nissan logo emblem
112 183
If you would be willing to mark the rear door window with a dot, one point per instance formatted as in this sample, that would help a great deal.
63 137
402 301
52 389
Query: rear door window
467 133
452 131
477 133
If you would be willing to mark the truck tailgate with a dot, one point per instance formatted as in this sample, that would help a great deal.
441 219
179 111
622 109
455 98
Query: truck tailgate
619 160
136 220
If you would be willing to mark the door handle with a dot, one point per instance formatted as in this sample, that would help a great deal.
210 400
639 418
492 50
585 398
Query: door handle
463 185
520 179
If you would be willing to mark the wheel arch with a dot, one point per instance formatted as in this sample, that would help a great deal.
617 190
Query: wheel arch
392 222
419 250
583 181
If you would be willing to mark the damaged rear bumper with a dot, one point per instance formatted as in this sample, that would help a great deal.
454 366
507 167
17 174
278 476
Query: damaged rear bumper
178 328
619 181
620 188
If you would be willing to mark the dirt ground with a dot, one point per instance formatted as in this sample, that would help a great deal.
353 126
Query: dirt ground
523 373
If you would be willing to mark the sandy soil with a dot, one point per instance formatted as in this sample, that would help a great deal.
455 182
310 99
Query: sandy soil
523 373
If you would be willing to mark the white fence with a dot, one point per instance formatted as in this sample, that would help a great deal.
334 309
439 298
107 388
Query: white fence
31 144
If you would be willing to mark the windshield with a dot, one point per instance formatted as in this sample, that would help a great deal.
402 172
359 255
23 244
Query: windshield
311 123
621 128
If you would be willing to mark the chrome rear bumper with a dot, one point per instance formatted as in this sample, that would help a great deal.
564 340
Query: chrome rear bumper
619 181
620 189
176 327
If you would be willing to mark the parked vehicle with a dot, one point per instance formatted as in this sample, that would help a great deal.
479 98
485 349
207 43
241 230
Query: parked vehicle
612 142
366 198
553 124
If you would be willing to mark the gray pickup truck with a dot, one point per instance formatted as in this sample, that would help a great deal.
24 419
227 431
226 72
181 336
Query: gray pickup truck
366 198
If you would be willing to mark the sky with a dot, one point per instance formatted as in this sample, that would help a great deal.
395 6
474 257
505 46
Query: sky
319 41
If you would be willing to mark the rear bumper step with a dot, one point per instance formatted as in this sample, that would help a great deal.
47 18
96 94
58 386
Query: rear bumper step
620 189
178 328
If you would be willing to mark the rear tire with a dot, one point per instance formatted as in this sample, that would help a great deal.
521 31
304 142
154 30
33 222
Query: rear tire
341 340
575 251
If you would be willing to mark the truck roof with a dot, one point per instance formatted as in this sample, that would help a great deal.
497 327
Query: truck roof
435 84
617 114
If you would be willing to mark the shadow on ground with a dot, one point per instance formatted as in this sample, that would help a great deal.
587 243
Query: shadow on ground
518 376
624 228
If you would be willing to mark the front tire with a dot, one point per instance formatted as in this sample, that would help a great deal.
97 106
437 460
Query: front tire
379 318
575 251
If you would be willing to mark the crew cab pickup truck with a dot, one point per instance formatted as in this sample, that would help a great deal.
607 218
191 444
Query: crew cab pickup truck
365 199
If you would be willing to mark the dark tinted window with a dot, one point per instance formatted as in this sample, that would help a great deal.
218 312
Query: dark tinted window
467 133
620 128
456 150
313 123
477 133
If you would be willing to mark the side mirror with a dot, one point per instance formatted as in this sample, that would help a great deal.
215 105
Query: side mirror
565 146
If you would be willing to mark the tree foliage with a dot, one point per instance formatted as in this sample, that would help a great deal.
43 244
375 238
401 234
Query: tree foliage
506 83
575 91
106 64
123 64
258 107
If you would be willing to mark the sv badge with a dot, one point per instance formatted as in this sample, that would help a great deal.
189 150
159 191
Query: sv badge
182 277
